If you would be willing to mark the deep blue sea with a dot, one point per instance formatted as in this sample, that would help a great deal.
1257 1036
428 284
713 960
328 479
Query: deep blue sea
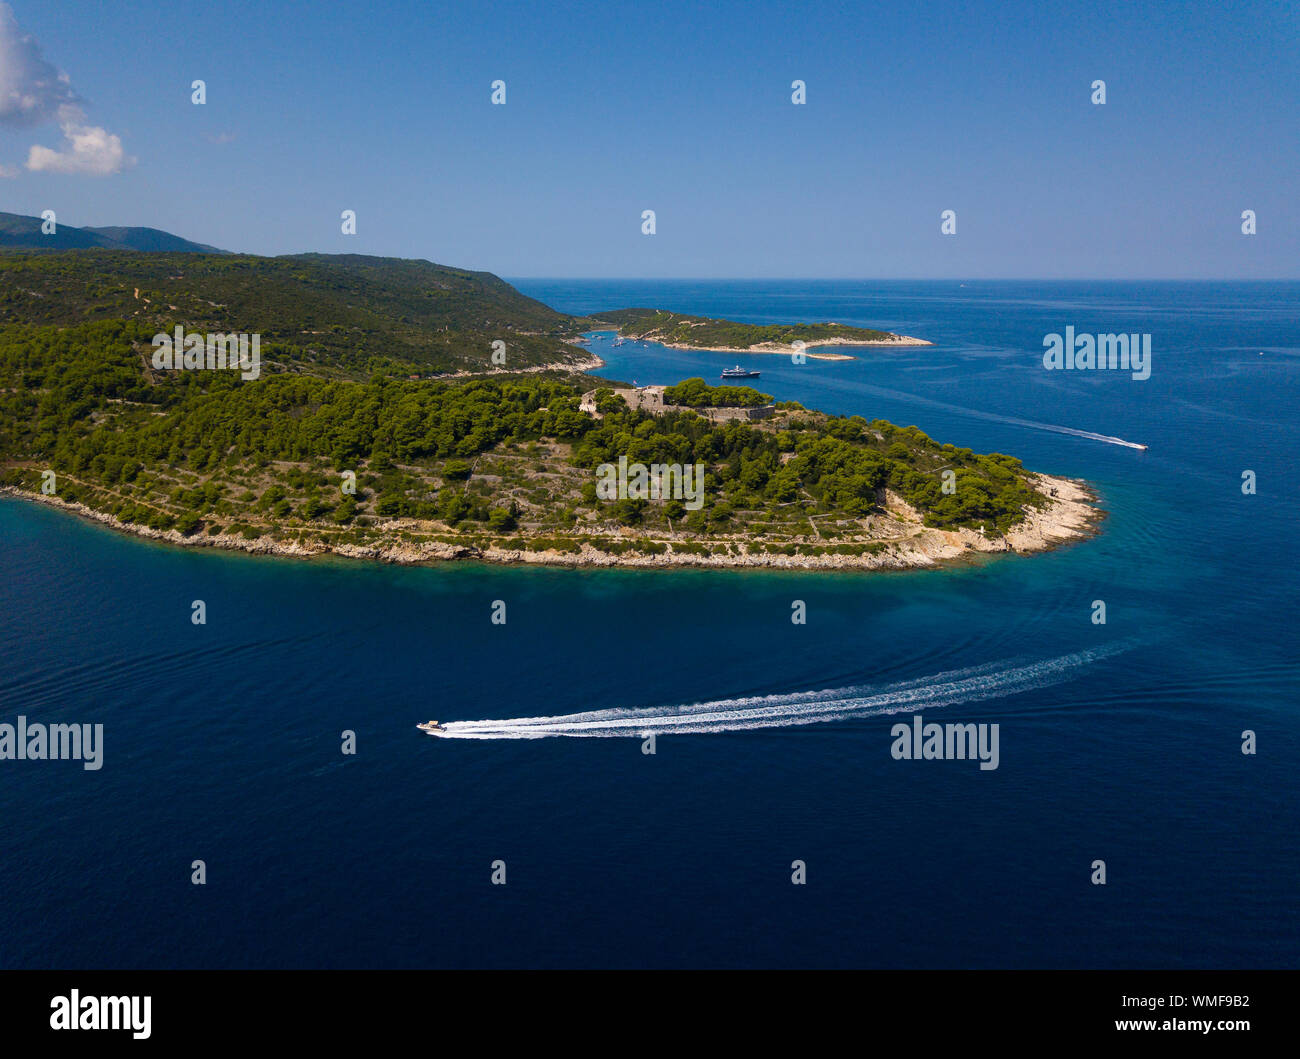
1119 742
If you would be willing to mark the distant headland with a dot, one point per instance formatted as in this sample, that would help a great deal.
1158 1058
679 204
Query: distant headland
679 331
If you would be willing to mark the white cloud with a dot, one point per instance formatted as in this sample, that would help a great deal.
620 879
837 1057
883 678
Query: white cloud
90 150
31 89
33 92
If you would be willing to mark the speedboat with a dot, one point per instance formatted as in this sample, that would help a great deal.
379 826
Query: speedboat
431 727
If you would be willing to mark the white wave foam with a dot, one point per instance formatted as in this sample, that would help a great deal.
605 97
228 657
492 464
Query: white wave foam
994 680
996 417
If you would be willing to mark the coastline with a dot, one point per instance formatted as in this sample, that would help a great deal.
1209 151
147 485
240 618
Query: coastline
1072 515
784 349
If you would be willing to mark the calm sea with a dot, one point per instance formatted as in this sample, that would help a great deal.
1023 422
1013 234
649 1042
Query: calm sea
1118 742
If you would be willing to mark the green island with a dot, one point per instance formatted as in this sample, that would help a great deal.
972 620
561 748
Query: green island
379 428
704 333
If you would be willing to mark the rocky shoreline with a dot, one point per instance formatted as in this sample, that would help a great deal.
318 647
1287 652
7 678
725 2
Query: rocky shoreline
1071 515
785 349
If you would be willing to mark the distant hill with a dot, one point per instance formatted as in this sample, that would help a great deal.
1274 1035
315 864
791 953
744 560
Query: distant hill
330 314
19 231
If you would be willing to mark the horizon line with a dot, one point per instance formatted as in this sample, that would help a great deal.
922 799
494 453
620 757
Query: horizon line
907 279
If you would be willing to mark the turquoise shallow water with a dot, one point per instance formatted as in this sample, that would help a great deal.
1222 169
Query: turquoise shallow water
222 741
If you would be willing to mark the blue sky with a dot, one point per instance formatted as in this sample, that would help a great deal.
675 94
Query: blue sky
683 108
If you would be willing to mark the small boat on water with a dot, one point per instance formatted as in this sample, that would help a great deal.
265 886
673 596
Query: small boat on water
739 373
431 727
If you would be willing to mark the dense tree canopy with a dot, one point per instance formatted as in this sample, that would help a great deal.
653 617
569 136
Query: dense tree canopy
195 449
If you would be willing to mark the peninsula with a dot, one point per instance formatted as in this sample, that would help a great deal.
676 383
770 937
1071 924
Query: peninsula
383 425
679 331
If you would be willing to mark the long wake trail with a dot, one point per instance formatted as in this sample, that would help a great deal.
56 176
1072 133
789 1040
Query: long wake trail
996 417
972 684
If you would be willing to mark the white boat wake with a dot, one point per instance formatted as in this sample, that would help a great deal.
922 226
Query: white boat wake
1071 431
995 417
991 681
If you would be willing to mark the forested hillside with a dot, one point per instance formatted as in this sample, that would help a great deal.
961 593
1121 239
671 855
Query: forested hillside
329 314
204 451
